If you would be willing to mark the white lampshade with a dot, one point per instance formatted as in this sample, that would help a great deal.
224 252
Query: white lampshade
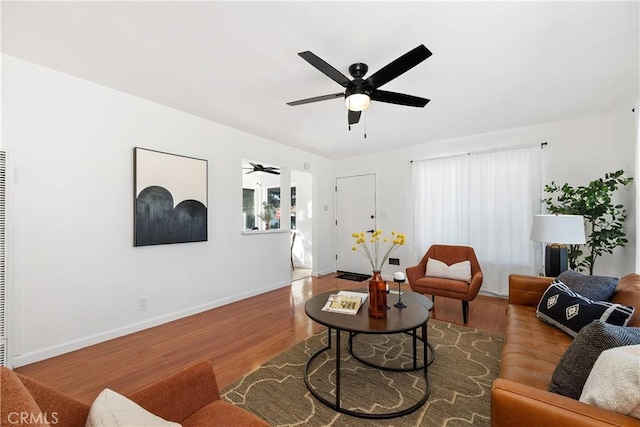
565 229
357 101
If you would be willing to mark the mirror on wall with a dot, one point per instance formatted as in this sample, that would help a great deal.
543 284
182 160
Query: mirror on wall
260 196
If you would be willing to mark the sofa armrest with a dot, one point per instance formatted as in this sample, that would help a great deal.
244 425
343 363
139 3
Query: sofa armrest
57 407
527 290
180 395
515 404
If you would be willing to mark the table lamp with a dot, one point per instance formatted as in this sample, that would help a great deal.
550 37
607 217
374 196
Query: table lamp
557 231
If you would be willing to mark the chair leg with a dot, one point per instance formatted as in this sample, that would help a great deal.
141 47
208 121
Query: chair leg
465 311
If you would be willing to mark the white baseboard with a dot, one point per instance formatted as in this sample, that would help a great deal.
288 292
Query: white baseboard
57 350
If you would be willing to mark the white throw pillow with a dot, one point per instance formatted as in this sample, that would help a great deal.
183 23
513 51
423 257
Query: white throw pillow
111 409
458 271
614 381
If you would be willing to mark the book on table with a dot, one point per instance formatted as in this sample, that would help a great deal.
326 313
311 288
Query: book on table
345 302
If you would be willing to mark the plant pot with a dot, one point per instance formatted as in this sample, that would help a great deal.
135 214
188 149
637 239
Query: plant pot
377 296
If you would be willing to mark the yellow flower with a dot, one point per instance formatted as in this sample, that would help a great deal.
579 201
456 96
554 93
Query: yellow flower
377 255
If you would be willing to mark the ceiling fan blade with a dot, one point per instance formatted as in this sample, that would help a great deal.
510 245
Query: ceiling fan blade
316 99
325 68
273 172
399 66
398 98
354 117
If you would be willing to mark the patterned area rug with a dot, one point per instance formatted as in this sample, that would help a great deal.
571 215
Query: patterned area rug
460 378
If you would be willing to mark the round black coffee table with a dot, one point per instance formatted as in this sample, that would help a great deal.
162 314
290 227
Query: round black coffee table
399 320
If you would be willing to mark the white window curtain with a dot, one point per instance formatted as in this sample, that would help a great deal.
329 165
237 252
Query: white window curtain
483 200
636 110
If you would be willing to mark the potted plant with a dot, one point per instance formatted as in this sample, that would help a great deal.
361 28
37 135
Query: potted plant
268 213
604 220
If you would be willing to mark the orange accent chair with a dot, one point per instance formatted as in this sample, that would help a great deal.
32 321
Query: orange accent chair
450 288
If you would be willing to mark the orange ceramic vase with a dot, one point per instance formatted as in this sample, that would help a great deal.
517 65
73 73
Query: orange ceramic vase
377 296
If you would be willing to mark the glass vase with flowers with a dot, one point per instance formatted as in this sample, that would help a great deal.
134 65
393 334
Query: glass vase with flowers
377 249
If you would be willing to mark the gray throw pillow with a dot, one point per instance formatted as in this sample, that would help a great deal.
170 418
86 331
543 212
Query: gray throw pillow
596 288
574 367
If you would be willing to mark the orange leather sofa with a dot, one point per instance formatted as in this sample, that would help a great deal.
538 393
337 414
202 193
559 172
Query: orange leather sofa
189 397
532 349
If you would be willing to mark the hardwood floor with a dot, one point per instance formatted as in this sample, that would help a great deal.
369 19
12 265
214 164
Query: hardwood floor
236 338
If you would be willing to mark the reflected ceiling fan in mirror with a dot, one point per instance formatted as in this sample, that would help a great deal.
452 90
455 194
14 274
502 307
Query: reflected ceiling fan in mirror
257 167
359 92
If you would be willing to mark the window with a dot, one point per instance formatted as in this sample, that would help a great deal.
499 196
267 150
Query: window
273 199
484 200
260 196
248 209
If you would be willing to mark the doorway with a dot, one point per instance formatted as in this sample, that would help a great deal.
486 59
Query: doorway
355 212
301 224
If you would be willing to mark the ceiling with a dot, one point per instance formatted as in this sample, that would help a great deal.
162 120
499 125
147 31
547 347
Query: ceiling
495 65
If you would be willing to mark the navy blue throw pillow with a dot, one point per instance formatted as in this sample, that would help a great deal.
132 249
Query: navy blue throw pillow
570 312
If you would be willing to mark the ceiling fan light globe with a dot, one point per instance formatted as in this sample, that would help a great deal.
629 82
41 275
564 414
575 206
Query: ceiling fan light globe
357 101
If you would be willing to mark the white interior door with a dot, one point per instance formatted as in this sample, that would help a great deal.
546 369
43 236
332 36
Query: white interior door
355 212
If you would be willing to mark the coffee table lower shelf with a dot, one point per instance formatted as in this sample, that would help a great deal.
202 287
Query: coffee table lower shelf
427 357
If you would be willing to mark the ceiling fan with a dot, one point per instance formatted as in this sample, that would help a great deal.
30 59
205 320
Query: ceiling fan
257 167
359 92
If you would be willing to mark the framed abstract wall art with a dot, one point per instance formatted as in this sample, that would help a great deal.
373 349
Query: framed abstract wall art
170 198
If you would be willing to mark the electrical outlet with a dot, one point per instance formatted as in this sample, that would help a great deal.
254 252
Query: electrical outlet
143 304
394 261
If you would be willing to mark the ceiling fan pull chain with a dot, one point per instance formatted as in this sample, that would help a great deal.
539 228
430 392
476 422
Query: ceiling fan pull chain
365 124
349 108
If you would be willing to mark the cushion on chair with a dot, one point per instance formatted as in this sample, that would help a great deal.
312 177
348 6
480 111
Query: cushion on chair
457 271
451 287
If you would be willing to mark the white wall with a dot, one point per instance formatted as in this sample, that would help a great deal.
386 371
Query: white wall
578 151
75 275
